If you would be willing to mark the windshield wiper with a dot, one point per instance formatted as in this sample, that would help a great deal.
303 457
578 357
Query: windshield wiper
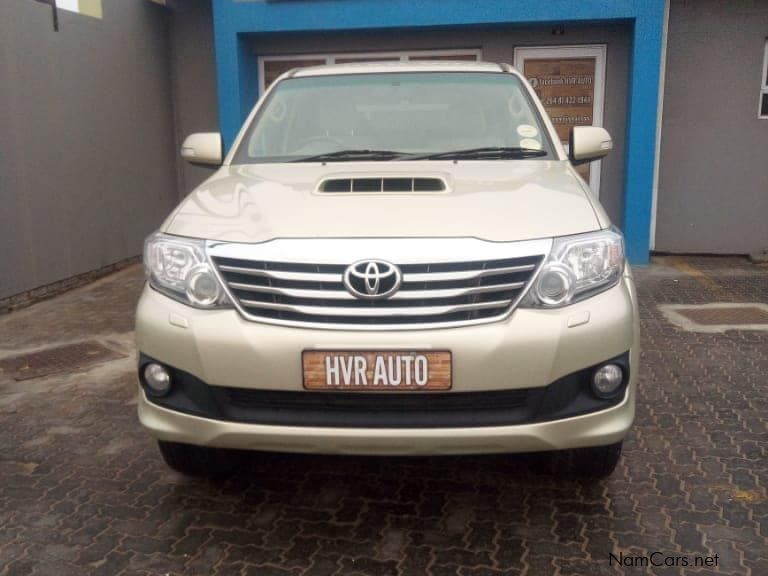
349 155
488 152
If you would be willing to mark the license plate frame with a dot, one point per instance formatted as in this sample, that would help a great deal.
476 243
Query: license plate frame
315 376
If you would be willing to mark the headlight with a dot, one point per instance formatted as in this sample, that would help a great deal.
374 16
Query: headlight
177 267
578 267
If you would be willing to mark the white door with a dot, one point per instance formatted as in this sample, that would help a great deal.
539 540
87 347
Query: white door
570 81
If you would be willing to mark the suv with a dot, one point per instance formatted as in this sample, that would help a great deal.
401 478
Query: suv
391 259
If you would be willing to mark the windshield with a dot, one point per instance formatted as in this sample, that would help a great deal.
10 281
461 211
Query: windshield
391 116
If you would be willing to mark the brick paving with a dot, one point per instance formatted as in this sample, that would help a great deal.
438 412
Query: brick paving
83 489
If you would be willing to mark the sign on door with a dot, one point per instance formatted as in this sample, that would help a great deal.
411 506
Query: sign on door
569 80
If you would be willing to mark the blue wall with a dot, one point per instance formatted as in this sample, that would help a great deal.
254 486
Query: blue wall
237 67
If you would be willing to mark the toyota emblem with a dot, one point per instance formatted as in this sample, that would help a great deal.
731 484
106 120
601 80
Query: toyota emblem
372 279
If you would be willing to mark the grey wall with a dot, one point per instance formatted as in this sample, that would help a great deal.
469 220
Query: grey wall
194 81
86 138
498 45
713 179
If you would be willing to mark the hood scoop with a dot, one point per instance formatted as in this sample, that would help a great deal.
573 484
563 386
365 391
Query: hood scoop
381 185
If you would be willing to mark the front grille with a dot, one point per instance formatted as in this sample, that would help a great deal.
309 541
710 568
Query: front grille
385 402
378 410
430 294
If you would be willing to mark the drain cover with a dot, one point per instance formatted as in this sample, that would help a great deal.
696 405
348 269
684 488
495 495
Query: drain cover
726 315
717 317
57 360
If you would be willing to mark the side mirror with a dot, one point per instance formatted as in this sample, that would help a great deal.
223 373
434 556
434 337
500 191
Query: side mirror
587 143
202 148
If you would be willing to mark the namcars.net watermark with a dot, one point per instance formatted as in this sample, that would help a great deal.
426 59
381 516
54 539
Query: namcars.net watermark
662 559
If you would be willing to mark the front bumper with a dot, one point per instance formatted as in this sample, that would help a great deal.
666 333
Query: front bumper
595 429
531 349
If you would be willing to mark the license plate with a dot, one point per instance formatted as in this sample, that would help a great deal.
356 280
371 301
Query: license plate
377 371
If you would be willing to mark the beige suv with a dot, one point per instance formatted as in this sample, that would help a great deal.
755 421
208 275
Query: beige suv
391 259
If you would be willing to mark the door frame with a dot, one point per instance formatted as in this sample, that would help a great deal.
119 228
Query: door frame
596 51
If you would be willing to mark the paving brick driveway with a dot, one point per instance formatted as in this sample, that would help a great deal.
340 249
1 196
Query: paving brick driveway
83 489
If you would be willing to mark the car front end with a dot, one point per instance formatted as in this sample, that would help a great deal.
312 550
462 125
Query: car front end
519 369
405 304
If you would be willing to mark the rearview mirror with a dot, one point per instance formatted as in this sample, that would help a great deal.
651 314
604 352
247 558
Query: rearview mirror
202 148
587 143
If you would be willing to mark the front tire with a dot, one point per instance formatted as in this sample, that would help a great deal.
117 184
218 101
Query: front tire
596 462
197 461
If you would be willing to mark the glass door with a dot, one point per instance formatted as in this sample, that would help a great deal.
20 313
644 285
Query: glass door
570 81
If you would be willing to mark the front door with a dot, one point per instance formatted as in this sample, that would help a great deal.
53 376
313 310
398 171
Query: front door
570 81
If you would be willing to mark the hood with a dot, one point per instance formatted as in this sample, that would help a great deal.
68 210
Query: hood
494 200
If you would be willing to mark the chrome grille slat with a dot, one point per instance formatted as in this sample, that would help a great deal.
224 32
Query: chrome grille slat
403 294
464 275
406 294
374 312
283 275
266 286
293 292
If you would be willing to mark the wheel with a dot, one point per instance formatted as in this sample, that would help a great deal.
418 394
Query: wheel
596 462
197 460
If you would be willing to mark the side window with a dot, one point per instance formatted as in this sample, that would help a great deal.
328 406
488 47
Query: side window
763 110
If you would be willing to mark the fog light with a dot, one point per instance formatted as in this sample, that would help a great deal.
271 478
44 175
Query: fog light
157 378
606 380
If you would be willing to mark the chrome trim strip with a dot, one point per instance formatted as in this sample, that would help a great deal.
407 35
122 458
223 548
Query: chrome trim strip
402 294
282 275
344 251
405 294
464 274
375 312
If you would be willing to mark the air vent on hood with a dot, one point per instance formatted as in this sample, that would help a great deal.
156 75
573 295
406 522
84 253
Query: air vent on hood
372 185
